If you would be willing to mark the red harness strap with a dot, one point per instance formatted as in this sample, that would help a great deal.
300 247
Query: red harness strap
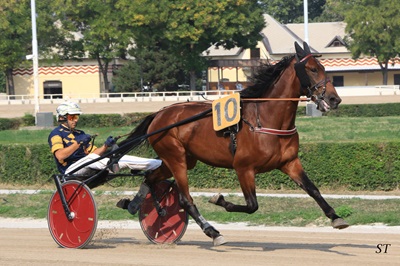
278 132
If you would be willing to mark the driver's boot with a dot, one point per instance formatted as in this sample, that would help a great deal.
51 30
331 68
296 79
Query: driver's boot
134 205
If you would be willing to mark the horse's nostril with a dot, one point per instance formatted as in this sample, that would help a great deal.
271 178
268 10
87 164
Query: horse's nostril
335 101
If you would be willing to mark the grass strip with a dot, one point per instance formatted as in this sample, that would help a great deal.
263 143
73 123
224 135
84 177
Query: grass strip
311 130
272 211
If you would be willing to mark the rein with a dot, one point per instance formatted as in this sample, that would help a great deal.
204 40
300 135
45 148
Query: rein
275 99
118 152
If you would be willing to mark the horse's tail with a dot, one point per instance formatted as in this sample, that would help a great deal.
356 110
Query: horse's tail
139 134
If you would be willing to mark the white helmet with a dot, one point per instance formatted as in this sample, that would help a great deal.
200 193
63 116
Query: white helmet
68 108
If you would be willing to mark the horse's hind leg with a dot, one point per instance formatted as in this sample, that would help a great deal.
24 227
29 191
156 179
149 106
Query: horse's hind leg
178 167
296 172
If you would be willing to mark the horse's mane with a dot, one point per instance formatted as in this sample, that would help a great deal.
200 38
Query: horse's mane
265 76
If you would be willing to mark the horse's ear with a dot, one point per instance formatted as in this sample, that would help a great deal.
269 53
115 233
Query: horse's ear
299 50
307 50
300 53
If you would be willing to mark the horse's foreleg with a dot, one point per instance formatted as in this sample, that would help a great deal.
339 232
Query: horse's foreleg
208 229
296 172
247 183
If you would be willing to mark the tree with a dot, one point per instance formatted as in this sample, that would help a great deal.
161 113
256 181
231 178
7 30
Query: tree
16 34
16 37
152 67
190 27
330 13
292 11
104 35
2 82
372 29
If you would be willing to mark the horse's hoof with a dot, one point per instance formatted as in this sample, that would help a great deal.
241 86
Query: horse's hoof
218 241
123 203
339 223
215 199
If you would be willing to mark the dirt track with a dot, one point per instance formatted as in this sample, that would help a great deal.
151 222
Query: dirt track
13 110
309 246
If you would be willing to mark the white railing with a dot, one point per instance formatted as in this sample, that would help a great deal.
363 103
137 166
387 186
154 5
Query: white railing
174 96
382 90
117 97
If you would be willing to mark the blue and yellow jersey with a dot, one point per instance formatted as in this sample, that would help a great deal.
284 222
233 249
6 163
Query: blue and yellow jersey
62 137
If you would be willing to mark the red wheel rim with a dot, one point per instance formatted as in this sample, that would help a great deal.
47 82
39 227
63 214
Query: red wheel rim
163 229
78 232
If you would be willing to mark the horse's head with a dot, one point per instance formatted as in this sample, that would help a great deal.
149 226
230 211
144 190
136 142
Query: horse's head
314 82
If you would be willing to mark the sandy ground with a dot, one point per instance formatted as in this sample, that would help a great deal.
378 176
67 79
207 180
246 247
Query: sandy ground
19 110
246 246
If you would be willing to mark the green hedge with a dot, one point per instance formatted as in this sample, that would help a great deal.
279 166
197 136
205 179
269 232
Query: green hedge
6 124
366 110
352 166
87 120
16 123
107 120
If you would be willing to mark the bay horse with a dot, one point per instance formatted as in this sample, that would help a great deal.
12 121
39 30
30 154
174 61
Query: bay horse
266 137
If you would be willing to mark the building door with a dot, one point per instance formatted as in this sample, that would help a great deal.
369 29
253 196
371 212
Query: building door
52 89
338 81
396 79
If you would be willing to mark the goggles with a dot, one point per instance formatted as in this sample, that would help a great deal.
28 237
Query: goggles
73 117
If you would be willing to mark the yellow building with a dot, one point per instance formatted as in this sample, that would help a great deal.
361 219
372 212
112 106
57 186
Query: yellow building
71 80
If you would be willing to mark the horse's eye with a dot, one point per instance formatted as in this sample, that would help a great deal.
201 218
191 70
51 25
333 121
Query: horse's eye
314 70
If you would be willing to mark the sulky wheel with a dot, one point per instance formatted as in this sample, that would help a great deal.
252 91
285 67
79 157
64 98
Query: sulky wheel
168 227
77 232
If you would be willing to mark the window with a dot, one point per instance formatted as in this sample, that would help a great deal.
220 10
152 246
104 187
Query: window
396 79
255 53
336 42
338 81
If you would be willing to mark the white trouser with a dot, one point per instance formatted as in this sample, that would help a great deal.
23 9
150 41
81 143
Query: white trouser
126 161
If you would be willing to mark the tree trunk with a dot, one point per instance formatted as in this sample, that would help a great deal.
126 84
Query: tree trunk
10 82
192 80
105 78
104 72
385 76
384 70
